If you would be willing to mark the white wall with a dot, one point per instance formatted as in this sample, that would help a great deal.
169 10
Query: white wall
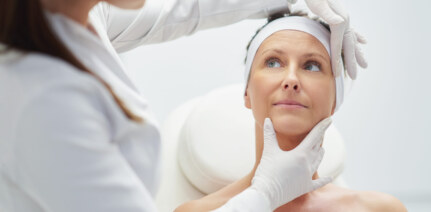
386 119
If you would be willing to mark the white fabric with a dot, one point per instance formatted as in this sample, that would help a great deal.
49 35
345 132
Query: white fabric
219 124
65 144
175 189
164 20
300 24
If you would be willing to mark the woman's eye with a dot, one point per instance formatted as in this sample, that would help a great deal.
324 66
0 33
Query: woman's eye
312 66
273 63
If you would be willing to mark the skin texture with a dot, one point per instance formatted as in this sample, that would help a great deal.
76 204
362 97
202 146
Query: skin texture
78 10
293 65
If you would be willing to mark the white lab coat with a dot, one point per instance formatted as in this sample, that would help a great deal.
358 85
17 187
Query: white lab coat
65 145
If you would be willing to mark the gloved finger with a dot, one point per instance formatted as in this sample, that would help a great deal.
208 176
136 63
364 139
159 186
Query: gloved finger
321 182
270 142
337 36
292 1
318 160
349 54
324 11
351 64
360 38
360 57
315 134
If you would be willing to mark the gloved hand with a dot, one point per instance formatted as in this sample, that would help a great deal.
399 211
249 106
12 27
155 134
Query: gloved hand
342 36
285 175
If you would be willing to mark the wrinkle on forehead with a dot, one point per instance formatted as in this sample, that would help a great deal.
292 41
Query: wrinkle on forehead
295 40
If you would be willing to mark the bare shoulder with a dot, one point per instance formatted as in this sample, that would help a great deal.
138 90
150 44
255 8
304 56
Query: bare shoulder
359 200
377 201
216 199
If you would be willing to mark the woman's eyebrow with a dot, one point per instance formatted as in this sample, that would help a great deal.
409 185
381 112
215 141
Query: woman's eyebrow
277 50
281 51
315 55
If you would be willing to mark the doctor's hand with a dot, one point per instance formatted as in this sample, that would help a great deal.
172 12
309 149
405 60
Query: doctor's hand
285 175
342 36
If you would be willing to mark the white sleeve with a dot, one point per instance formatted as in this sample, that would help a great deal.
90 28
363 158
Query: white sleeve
249 200
164 20
64 156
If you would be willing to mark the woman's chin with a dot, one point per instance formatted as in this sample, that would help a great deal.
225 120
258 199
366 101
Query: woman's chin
290 126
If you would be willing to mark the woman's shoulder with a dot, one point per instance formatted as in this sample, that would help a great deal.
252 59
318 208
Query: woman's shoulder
37 79
366 200
42 64
378 201
35 72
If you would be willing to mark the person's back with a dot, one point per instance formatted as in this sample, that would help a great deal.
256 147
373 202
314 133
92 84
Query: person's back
56 119
23 79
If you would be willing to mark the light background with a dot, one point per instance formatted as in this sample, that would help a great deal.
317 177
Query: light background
385 120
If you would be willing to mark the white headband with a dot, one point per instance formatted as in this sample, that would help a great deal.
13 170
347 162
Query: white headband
300 24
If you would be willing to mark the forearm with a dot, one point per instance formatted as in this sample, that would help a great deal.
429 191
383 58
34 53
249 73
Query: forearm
164 20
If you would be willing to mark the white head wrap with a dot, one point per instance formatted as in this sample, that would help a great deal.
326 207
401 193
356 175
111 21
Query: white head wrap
299 24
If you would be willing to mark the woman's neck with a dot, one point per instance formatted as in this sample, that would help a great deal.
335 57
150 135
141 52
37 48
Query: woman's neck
76 10
286 143
289 142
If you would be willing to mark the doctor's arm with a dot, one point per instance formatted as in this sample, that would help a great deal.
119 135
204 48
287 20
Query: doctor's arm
164 20
64 156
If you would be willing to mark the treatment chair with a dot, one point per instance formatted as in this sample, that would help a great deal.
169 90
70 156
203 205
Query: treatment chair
208 143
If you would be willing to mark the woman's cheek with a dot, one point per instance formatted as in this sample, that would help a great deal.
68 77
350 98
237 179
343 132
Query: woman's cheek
323 100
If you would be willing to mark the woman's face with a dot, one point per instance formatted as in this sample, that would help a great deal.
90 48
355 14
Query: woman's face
291 82
127 4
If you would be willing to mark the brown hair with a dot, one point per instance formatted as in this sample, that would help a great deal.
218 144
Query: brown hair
23 26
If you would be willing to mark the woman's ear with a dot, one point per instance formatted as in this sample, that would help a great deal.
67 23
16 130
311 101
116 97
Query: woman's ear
247 103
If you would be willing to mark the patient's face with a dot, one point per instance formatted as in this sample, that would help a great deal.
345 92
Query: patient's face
291 82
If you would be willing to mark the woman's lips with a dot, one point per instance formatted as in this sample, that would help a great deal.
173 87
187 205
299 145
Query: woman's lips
289 104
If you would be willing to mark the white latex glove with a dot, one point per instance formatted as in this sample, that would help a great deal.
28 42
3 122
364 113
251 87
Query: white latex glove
285 175
342 36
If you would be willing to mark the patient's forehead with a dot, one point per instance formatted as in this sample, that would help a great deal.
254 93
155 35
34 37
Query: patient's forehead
293 40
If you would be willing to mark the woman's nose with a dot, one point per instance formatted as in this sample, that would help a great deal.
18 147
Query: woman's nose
291 83
293 86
